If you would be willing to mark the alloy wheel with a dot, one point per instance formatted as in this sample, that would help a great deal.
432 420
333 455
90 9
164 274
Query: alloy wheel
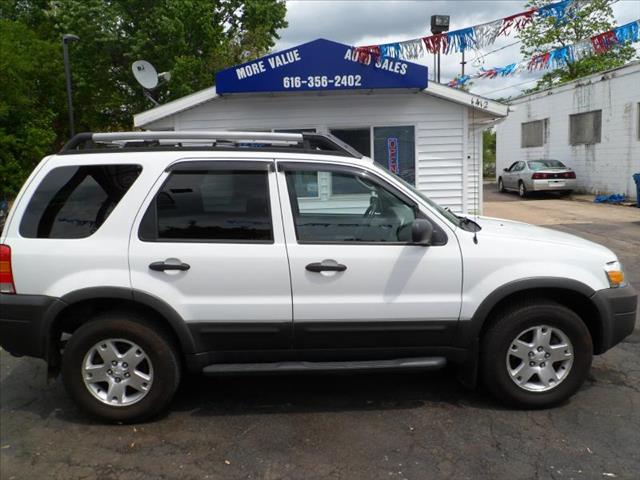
539 358
117 372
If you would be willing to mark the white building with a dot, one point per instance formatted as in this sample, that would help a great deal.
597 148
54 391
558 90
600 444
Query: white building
437 129
592 125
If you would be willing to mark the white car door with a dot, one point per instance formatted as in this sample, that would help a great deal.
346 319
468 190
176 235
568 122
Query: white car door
357 280
209 243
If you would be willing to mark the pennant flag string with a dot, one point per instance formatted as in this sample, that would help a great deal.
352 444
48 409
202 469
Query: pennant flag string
461 40
559 57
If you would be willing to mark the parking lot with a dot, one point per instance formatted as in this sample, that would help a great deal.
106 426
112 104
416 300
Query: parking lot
403 426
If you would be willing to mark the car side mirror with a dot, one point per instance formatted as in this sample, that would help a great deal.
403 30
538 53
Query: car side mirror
421 232
505 169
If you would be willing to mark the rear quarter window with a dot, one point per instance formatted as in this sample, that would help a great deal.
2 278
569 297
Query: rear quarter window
74 201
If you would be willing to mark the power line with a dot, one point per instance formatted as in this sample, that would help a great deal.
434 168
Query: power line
510 86
482 55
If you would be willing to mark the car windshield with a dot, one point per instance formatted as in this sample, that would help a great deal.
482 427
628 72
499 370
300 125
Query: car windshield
541 164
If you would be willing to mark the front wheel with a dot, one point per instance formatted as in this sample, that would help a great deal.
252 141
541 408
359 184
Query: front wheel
500 185
121 367
536 354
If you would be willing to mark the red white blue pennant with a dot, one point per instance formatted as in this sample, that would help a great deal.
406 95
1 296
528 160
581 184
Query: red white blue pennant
559 57
475 37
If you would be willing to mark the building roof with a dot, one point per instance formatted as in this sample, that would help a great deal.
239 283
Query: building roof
187 102
628 69
265 75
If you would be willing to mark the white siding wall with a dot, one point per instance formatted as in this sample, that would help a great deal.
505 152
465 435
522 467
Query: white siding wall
604 167
439 126
474 166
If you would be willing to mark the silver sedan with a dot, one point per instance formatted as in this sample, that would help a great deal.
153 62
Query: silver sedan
537 175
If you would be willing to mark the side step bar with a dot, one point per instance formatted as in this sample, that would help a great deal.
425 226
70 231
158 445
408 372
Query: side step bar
400 364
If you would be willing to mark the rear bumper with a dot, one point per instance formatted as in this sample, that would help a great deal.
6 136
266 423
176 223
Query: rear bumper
553 185
24 323
617 308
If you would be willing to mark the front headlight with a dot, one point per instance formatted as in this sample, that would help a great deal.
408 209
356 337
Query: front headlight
615 274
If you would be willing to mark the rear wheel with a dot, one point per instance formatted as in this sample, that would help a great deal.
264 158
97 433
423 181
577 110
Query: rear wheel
120 367
522 190
536 354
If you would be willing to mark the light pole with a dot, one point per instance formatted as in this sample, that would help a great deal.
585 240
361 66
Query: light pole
439 24
66 39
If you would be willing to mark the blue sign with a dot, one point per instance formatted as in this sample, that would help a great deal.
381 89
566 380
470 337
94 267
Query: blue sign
319 65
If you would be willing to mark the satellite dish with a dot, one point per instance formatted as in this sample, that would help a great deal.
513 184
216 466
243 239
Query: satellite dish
145 74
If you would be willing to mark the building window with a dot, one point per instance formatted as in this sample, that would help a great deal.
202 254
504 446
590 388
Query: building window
585 128
358 138
534 134
394 148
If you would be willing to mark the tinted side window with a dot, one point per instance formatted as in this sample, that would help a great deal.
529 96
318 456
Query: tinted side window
214 205
73 202
374 216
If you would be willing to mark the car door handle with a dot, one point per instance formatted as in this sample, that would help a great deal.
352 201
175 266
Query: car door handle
162 266
326 267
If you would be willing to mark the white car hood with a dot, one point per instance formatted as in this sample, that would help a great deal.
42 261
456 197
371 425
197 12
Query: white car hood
518 230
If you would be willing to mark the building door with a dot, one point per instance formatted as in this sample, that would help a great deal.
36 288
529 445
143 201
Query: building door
357 281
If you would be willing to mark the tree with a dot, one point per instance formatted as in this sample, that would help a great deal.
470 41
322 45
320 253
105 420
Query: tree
190 38
581 21
29 106
489 152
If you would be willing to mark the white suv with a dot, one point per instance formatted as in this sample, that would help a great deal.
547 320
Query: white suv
129 258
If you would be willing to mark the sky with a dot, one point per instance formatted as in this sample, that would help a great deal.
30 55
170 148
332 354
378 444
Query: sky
366 22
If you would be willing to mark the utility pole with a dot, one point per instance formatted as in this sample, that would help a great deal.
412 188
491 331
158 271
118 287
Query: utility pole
463 63
66 39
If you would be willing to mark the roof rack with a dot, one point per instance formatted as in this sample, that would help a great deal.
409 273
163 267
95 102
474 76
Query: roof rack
89 142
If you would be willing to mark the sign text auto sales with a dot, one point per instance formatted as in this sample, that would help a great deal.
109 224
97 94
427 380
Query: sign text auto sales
316 81
320 65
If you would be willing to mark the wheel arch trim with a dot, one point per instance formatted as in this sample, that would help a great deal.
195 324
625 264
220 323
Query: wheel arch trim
468 330
173 318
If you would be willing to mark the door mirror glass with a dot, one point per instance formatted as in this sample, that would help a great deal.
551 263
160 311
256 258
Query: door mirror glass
421 232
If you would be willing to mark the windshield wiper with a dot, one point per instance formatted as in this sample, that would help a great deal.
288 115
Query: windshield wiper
468 221
464 220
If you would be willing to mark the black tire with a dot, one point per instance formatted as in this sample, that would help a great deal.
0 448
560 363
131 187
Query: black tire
132 327
500 185
522 189
506 325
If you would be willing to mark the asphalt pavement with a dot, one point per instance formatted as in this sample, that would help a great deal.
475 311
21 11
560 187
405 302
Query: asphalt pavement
401 426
